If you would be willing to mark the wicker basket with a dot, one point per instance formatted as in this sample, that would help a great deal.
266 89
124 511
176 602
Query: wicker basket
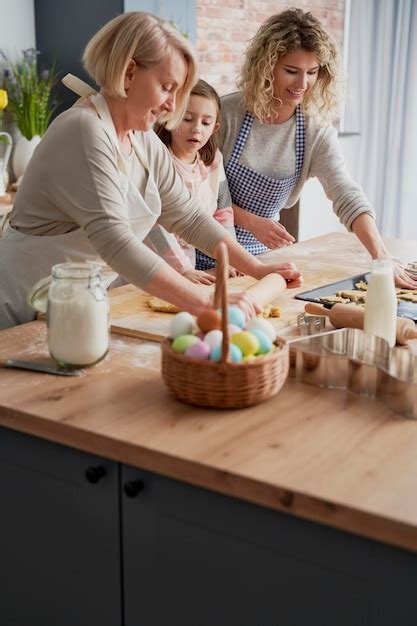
224 385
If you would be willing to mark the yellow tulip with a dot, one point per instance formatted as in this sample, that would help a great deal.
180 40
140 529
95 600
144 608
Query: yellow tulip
3 99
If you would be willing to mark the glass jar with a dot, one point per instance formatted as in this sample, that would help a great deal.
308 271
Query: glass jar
77 313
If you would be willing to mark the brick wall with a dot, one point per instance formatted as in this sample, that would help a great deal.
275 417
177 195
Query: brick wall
224 27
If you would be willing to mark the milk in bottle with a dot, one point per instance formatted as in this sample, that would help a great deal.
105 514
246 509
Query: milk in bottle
381 302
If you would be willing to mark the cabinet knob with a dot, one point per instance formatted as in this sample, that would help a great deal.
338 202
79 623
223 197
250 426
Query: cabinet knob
93 474
133 487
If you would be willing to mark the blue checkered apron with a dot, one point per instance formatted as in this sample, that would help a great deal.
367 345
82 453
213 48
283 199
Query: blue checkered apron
255 192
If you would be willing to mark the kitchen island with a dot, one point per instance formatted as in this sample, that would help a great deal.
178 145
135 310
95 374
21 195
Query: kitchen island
121 505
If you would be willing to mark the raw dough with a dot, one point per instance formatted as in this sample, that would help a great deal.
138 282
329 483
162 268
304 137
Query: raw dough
409 295
162 306
355 296
362 285
271 311
337 299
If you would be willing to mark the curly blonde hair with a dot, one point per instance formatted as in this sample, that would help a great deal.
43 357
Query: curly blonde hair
148 40
281 34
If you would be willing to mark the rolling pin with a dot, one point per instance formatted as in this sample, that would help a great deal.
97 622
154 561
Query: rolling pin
267 289
351 316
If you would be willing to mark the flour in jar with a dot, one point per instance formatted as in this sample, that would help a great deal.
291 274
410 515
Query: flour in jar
78 328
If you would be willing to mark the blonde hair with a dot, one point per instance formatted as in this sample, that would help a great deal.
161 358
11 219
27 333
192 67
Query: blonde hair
147 40
208 151
281 34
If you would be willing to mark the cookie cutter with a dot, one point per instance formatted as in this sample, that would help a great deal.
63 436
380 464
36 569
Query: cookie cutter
310 324
364 364
306 325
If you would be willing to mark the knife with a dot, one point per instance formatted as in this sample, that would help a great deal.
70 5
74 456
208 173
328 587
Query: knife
38 367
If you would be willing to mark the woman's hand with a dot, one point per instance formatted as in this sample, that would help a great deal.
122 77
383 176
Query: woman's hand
286 270
246 302
271 233
403 278
199 276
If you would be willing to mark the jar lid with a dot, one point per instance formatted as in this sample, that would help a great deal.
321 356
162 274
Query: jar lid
37 297
76 270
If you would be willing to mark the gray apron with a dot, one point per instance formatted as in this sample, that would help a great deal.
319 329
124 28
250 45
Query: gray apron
25 259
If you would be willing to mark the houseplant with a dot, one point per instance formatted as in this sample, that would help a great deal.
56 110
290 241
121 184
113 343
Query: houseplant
29 91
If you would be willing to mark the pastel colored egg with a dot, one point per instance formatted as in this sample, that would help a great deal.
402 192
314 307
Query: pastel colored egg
214 338
233 329
247 342
183 342
265 343
259 323
235 354
209 320
200 350
181 324
236 316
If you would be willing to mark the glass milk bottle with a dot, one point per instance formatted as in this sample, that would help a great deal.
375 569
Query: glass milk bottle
381 302
77 315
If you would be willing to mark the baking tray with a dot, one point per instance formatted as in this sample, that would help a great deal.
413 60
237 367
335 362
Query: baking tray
404 309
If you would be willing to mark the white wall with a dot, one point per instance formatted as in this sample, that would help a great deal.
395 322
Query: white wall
316 216
17 33
17 26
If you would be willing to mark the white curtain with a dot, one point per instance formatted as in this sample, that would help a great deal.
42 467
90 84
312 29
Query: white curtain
382 107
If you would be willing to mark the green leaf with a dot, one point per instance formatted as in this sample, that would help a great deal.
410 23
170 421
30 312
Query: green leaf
29 92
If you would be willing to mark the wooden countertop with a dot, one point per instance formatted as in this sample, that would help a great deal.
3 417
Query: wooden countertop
328 456
322 260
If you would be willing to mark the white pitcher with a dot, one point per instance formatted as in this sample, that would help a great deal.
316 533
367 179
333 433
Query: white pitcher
5 149
23 152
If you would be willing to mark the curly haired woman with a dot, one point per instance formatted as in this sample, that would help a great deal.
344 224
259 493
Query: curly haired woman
276 133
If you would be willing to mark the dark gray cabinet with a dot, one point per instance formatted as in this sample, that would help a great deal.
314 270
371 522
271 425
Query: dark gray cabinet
59 536
132 548
202 559
63 29
196 558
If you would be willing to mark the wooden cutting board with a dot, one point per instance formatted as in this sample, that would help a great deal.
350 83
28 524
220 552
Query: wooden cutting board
131 316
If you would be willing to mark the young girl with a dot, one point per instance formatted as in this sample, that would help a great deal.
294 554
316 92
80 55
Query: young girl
196 158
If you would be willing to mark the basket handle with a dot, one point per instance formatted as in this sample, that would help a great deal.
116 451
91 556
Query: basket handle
221 296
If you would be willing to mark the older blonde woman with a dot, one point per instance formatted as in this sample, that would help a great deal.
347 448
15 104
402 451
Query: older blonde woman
276 133
94 189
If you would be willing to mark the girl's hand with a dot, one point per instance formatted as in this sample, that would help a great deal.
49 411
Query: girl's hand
287 270
199 276
233 272
271 233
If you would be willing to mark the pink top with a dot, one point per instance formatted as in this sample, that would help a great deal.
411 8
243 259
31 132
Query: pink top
208 184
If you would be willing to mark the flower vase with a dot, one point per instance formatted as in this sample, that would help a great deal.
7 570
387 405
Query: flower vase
23 153
5 149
